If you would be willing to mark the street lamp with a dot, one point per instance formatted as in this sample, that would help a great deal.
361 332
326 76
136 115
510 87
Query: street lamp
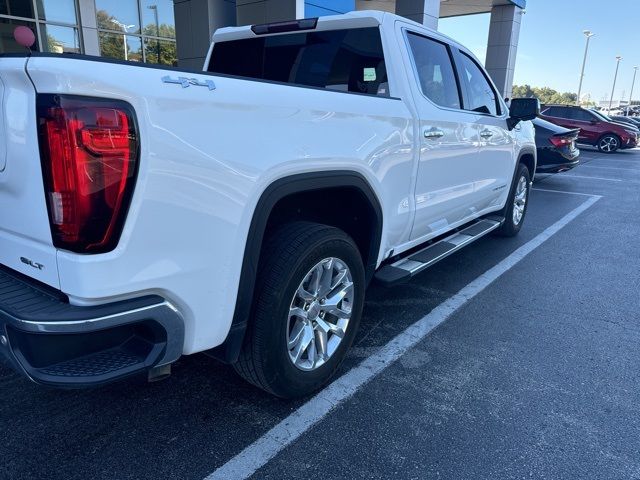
125 28
615 77
155 14
588 34
635 70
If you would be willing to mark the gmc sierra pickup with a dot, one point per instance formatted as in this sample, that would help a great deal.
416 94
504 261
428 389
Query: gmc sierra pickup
148 213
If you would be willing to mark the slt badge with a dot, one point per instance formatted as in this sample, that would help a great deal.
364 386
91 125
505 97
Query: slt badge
187 82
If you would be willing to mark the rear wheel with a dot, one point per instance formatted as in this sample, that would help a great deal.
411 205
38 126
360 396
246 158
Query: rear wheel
609 143
517 203
307 307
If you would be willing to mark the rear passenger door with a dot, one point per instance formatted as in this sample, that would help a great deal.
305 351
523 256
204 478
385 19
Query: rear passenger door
564 117
587 123
445 189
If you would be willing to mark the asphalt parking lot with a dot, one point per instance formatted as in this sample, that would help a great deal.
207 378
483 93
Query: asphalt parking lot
535 375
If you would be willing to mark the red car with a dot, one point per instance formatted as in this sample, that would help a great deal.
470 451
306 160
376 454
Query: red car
595 129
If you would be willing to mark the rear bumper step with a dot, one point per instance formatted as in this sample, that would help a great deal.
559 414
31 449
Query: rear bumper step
55 343
402 270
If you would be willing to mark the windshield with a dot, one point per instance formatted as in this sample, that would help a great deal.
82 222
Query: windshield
602 116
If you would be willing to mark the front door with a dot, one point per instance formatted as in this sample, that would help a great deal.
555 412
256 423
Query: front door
495 163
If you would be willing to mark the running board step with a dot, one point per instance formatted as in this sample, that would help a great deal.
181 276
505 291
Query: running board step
405 268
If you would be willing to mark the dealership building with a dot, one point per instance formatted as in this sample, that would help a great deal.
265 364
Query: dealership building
178 32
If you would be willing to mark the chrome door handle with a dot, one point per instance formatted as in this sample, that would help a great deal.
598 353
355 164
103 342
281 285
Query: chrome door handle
433 133
486 134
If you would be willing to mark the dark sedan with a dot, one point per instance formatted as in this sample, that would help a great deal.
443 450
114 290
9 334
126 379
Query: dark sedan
557 151
635 121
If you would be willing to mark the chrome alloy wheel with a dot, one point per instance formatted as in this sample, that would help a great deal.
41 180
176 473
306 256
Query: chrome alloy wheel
319 314
520 200
609 144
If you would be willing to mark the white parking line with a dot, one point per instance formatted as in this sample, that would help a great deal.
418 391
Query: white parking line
563 191
592 178
631 160
591 165
256 455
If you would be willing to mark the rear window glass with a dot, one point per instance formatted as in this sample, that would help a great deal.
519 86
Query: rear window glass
342 60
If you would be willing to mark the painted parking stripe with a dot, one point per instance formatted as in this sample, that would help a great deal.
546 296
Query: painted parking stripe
260 452
603 167
562 191
630 160
592 178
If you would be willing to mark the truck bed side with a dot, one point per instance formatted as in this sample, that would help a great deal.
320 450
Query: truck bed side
206 157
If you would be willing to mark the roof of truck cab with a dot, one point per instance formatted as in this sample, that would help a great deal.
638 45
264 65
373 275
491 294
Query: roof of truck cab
355 19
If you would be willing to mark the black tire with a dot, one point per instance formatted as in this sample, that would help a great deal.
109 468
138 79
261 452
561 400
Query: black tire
510 228
609 143
288 255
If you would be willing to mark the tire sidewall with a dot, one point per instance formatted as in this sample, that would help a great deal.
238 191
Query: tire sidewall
509 228
288 380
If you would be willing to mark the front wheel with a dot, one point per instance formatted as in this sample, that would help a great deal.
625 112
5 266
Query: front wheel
517 203
307 307
609 143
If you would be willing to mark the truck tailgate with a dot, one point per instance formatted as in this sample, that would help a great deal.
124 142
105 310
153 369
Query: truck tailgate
25 235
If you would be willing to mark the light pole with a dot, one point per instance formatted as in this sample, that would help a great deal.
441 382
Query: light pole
635 70
155 14
615 77
125 28
588 34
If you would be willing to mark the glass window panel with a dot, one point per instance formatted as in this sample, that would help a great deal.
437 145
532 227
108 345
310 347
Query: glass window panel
162 25
121 47
122 15
435 71
344 60
160 51
17 8
63 11
7 42
57 39
581 115
482 97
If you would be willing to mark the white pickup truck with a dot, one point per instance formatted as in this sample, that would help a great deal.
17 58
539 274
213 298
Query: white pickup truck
148 213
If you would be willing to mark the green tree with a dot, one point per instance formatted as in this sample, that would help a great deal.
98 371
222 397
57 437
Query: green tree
160 51
544 94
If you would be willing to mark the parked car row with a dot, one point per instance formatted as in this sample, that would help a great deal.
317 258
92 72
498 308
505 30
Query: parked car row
561 127
595 128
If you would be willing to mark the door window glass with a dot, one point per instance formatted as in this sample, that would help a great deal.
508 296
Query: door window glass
482 97
558 112
435 71
579 114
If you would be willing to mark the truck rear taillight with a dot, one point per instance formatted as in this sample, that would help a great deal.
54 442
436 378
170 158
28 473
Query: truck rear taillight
90 152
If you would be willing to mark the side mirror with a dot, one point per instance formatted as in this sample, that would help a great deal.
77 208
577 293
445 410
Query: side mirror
522 109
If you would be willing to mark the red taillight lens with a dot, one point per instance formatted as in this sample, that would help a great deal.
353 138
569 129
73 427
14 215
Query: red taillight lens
89 156
561 141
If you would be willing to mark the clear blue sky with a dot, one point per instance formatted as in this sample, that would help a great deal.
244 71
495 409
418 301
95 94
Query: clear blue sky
552 44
